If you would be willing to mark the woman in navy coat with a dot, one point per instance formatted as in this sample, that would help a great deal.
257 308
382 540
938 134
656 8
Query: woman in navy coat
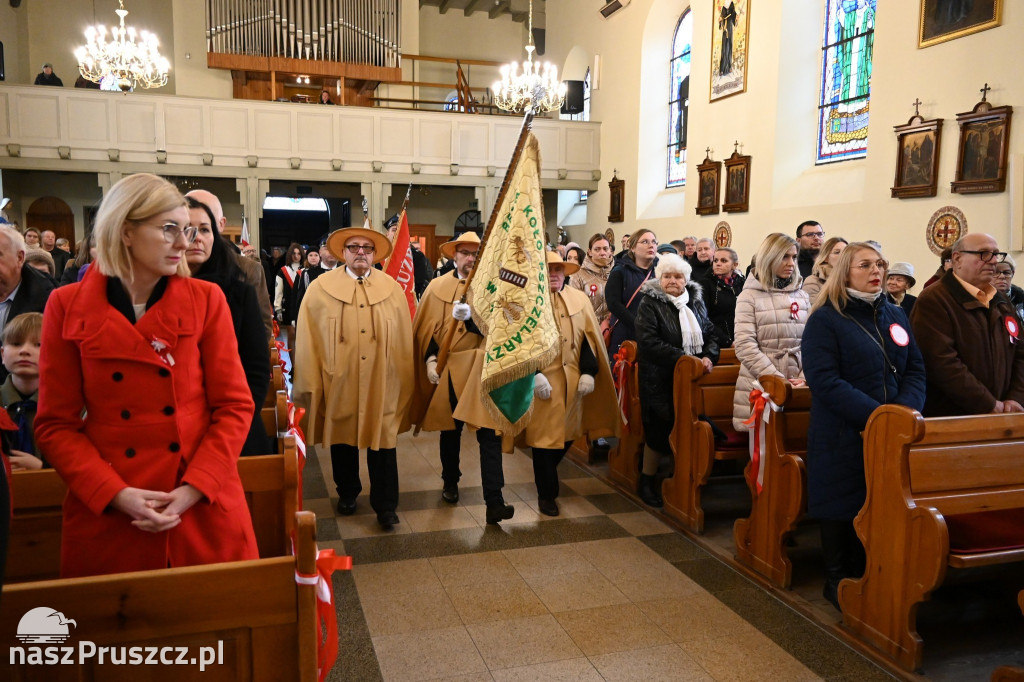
858 353
149 355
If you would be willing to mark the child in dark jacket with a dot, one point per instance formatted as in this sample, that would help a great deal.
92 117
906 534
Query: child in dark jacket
20 392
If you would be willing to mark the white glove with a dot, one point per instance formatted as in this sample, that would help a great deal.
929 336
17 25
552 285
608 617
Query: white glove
541 386
585 386
432 375
462 311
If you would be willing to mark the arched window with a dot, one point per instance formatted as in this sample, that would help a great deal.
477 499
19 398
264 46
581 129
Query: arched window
679 100
847 49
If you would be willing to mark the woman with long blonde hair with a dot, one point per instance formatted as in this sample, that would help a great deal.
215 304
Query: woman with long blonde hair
770 315
823 265
859 353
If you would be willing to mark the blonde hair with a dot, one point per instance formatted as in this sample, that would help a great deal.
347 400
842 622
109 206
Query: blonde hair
821 266
834 288
132 200
769 256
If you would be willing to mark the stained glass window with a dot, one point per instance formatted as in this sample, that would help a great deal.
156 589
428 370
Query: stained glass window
847 49
679 101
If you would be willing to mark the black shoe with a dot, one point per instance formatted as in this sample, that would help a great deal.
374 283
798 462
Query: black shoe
548 507
387 520
649 490
346 507
831 592
499 511
450 493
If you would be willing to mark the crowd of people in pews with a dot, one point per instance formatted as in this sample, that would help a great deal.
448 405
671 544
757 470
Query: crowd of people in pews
137 368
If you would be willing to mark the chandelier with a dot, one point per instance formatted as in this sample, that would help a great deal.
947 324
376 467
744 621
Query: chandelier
537 88
123 60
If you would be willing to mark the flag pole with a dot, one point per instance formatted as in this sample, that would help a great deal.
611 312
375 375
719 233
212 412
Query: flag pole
442 355
405 204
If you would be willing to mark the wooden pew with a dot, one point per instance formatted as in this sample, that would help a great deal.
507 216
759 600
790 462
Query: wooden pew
267 622
761 538
919 473
624 459
276 384
692 439
271 490
727 356
1011 673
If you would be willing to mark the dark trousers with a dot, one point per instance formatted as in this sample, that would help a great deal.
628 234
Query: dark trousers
492 478
382 466
545 470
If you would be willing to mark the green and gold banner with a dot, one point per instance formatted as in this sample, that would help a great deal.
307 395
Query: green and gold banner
511 299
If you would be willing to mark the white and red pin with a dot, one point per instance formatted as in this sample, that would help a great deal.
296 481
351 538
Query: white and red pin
794 310
593 290
1012 328
899 335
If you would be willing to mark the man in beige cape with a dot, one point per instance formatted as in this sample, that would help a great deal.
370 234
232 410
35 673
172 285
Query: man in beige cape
576 392
354 369
446 400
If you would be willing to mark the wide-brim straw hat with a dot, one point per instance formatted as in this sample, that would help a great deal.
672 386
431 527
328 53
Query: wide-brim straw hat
448 248
554 259
336 242
905 269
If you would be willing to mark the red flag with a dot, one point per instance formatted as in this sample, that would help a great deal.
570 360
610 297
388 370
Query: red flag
400 265
245 233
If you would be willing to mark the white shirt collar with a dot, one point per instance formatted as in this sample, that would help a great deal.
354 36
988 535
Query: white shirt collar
354 275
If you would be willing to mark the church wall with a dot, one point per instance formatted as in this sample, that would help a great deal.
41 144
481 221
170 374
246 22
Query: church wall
77 190
775 120
13 32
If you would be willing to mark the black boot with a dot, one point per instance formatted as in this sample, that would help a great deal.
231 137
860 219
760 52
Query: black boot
649 490
835 553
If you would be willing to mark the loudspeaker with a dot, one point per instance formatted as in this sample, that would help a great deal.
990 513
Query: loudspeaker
573 103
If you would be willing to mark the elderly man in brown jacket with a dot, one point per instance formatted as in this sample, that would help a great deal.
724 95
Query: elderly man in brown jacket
449 398
969 335
354 369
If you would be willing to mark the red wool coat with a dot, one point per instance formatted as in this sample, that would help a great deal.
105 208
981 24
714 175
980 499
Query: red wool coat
148 424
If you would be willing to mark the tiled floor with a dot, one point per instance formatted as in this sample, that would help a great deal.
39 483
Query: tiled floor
605 591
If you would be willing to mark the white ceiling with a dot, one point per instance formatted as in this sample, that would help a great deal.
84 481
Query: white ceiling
518 9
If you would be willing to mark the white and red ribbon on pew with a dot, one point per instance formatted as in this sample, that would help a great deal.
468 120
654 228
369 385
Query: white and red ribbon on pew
327 562
758 420
619 370
295 415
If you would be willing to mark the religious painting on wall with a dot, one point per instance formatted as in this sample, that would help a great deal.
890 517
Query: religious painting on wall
984 145
917 157
729 42
707 197
848 48
616 200
943 20
944 227
737 184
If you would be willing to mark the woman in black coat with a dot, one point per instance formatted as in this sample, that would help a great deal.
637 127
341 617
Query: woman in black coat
622 291
209 259
858 353
721 287
671 322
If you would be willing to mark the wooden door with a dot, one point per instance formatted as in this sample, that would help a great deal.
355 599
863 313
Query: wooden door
51 213
423 235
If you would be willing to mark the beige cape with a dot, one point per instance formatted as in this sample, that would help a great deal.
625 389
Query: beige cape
354 360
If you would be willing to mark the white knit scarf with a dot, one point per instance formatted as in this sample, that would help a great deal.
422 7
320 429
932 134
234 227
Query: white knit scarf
693 339
863 295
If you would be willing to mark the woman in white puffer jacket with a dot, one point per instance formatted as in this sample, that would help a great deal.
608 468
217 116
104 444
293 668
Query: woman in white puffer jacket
770 315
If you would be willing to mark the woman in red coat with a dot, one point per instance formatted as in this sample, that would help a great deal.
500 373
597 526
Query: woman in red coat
151 467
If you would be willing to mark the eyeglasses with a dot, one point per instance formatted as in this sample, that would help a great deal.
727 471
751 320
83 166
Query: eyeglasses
813 235
1004 273
866 266
648 242
987 256
356 248
462 252
171 232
